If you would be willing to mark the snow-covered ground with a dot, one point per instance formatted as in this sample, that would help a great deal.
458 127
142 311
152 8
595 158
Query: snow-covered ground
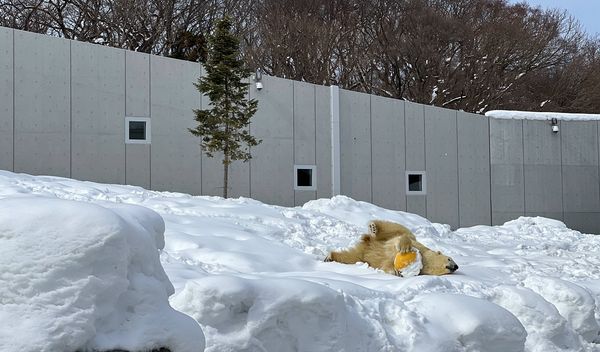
252 275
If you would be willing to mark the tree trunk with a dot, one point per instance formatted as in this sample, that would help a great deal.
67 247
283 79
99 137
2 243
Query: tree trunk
225 173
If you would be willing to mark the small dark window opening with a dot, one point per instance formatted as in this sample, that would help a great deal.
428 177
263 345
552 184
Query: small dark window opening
304 177
137 130
415 183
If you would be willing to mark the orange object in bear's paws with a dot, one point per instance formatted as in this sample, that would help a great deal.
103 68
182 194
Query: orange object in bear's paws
408 264
402 260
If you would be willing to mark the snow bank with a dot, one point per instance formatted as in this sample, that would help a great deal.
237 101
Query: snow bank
458 322
252 275
533 115
79 276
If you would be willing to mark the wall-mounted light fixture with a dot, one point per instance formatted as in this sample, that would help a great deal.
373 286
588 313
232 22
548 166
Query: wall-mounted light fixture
554 122
258 79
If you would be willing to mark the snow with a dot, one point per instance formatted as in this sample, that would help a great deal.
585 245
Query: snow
252 276
531 115
80 276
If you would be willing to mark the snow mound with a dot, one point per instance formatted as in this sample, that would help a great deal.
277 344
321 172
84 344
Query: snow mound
463 323
79 276
534 115
276 314
573 302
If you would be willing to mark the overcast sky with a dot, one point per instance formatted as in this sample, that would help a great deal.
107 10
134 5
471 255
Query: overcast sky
586 11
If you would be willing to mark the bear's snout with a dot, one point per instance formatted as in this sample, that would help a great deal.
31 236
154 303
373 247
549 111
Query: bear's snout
451 265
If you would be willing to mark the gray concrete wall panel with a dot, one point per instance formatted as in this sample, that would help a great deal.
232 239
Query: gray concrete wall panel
506 142
137 104
6 98
583 222
415 136
414 115
97 109
541 146
355 141
304 133
473 169
441 155
581 189
176 153
580 175
507 178
543 189
273 159
387 122
137 168
542 162
323 141
137 80
42 105
507 188
579 142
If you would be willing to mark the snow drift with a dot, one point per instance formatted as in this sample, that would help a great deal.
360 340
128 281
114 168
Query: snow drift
79 276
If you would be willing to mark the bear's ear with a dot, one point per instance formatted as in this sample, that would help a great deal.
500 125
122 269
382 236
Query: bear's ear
366 238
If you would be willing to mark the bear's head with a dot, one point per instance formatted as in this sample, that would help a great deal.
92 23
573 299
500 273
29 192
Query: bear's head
435 263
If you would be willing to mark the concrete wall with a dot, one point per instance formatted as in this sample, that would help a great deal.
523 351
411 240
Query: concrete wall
42 104
63 106
176 159
97 110
580 186
539 173
6 98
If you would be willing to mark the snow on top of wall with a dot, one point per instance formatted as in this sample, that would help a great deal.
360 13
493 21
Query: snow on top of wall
531 115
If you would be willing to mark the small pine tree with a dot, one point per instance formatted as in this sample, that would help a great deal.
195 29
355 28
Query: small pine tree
224 127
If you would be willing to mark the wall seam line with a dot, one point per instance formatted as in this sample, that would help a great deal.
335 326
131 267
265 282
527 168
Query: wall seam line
562 180
150 116
523 162
425 160
489 123
457 170
404 180
293 138
125 111
13 100
70 108
249 148
200 146
314 91
371 140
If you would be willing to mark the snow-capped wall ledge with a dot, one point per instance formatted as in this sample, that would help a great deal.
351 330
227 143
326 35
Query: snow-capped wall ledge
76 276
530 115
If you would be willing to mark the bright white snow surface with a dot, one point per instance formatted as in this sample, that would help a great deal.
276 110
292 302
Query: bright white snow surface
534 115
252 275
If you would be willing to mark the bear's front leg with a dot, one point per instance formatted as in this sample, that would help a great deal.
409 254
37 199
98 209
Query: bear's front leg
403 244
346 257
389 268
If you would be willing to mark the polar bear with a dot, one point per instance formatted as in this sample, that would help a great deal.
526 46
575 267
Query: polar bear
385 239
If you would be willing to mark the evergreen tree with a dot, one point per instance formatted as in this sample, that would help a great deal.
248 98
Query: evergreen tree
224 127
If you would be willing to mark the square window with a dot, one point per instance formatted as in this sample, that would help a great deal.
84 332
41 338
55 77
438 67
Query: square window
415 183
137 130
305 177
